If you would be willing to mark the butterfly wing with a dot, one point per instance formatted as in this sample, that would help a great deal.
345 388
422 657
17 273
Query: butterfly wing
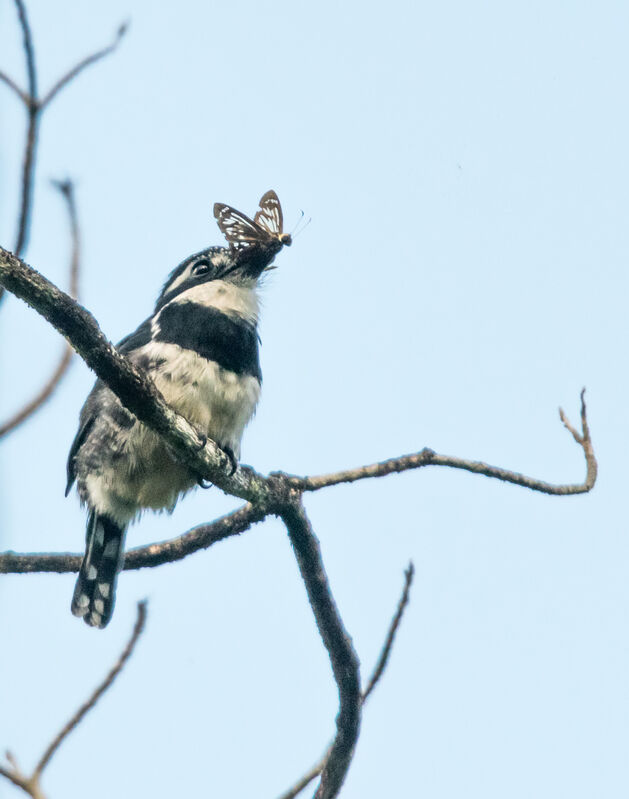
269 217
237 227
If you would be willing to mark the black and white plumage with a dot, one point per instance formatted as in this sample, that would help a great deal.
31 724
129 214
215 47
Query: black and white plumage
200 347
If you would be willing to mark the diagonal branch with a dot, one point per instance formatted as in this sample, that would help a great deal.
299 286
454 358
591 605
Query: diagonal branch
14 87
67 190
343 658
96 694
387 647
427 457
378 671
82 65
31 785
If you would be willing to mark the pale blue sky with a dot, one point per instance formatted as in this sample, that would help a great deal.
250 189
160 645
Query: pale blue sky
465 272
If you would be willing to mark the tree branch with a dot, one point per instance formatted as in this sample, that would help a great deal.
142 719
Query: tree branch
174 549
378 671
343 658
387 647
14 87
427 457
28 161
31 785
67 190
86 62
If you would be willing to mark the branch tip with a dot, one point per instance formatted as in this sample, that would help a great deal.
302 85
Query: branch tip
122 30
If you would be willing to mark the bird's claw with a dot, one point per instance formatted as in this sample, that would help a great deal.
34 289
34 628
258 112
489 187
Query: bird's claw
232 459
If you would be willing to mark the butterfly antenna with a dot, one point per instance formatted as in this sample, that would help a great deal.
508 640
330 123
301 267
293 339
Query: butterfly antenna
292 233
295 232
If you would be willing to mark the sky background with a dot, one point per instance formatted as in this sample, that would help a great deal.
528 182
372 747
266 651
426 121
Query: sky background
465 273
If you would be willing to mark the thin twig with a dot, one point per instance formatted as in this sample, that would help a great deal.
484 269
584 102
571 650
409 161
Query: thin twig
14 775
344 660
428 457
28 161
31 785
67 191
385 652
97 693
377 673
86 62
13 85
29 50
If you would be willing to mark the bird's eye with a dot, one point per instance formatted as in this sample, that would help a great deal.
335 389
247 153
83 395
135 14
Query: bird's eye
201 267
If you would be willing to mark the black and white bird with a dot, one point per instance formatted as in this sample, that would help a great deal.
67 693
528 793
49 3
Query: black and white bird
200 347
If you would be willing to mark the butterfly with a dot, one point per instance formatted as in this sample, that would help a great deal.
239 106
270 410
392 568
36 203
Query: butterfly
264 230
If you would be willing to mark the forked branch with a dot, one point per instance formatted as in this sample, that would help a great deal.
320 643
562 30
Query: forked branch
343 658
377 673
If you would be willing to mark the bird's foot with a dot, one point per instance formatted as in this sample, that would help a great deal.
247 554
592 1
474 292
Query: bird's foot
232 459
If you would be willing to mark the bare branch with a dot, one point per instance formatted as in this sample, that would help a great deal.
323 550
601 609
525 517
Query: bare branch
383 660
14 87
343 658
201 537
31 785
29 51
86 62
28 161
427 457
14 775
67 190
97 693
378 671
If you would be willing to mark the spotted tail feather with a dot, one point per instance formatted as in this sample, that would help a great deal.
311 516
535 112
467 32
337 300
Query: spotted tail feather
95 590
